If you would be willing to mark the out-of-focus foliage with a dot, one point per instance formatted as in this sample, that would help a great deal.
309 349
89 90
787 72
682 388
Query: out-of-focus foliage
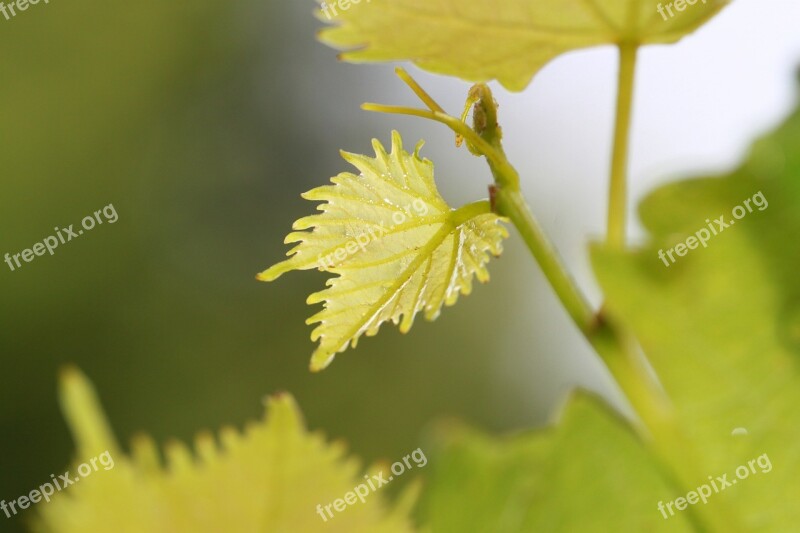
721 327
588 473
270 478
481 40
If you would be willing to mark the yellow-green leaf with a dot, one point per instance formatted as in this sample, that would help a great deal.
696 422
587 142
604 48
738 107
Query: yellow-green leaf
587 473
269 479
720 321
508 40
395 244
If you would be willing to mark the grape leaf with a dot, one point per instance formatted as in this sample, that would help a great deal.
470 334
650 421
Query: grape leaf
588 473
510 41
271 478
396 245
721 324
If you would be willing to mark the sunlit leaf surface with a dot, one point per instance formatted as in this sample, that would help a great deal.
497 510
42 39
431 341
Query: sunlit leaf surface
508 40
396 246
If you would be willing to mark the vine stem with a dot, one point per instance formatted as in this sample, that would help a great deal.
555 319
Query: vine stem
618 349
656 424
618 188
510 203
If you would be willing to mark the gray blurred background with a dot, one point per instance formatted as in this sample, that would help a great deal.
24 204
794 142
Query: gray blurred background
202 122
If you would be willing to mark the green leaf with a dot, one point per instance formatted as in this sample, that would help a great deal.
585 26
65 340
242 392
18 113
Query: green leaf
589 473
721 325
269 478
395 244
509 40
722 328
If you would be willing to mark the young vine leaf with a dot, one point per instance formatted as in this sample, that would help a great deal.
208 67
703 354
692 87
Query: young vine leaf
396 246
510 41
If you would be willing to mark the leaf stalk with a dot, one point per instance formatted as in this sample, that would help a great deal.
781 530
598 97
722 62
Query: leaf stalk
618 186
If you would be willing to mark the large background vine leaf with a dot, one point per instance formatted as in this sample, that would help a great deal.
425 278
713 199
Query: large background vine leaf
482 40
722 324
722 328
588 473
396 245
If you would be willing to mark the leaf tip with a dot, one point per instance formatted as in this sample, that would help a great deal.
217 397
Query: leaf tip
283 403
397 142
83 412
270 274
320 361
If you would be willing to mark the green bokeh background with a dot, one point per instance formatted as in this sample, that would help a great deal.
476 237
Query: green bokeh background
195 120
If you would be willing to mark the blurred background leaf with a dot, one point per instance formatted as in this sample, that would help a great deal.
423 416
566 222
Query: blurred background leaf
721 325
265 478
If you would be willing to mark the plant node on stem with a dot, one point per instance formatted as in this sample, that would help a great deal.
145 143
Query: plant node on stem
618 349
